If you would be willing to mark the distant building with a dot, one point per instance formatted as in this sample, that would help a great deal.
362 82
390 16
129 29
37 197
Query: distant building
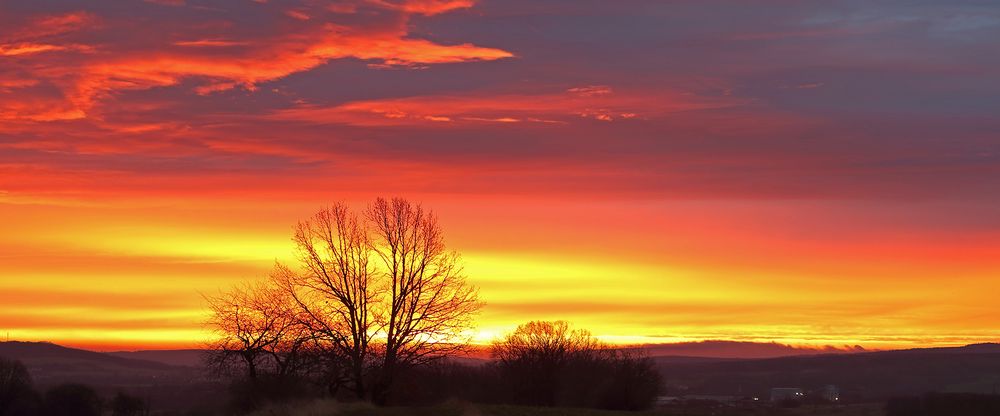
780 394
707 401
830 393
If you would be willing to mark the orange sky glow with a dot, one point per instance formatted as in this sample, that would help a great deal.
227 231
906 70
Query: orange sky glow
782 181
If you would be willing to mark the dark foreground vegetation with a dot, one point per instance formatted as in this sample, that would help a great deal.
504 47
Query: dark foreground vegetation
861 377
937 404
443 388
18 397
374 309
540 364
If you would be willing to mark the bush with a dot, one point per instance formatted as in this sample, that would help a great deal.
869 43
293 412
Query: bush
635 382
72 400
325 407
17 396
126 405
549 364
944 404
443 380
249 395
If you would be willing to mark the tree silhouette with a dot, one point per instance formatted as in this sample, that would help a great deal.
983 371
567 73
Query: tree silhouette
72 400
17 396
127 405
535 356
335 291
373 295
256 327
428 303
551 364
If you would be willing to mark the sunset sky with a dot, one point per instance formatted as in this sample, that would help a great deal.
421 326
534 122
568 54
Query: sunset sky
805 172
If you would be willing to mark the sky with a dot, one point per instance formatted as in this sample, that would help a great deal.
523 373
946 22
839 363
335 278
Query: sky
804 172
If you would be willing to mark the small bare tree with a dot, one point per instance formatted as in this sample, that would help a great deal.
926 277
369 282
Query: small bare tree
16 390
429 303
257 330
550 364
544 343
334 291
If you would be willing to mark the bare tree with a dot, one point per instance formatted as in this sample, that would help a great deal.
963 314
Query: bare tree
549 364
372 295
429 303
335 291
534 358
17 394
257 330
544 343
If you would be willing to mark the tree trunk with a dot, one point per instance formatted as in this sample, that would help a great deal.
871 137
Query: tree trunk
359 381
380 391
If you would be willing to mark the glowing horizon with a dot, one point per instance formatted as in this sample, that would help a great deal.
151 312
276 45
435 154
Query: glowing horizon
793 174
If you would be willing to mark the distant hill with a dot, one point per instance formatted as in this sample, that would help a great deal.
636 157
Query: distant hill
705 368
860 376
166 386
50 363
739 349
183 358
704 350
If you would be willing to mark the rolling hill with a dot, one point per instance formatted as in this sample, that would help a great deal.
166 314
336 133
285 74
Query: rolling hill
182 358
166 386
50 363
860 376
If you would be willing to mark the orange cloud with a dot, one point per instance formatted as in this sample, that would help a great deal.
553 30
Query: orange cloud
210 43
85 83
38 110
425 7
10 84
167 2
28 48
29 39
594 102
53 25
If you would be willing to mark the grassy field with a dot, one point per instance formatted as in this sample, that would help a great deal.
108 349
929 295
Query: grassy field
331 408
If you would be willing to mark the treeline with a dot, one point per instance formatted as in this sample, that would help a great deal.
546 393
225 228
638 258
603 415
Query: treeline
539 364
545 364
372 310
945 404
18 397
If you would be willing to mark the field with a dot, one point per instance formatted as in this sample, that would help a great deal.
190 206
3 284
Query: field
331 408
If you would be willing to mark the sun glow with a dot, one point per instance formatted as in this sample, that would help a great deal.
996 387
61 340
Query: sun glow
615 177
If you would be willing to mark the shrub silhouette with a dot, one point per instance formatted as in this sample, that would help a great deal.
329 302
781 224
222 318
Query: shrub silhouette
944 404
550 364
72 400
251 394
17 396
127 405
